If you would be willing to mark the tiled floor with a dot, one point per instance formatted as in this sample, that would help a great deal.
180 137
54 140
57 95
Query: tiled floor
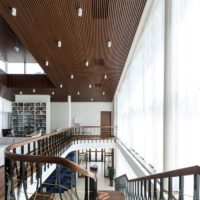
102 183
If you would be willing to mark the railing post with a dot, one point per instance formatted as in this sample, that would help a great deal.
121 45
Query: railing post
149 189
181 187
9 185
86 188
93 189
145 189
161 189
155 190
196 187
170 188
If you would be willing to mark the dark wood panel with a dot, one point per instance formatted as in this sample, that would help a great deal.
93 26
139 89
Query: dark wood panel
28 81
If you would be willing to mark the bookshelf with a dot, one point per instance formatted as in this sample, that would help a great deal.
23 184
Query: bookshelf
28 117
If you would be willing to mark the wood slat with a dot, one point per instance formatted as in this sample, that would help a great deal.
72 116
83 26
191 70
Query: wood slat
40 24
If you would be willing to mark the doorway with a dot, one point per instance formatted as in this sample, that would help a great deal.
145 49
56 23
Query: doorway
105 121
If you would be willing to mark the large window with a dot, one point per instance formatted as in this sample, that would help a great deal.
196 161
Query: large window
140 99
23 68
15 68
33 68
185 81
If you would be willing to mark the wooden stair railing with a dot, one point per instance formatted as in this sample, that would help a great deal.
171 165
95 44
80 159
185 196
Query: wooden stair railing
169 185
33 156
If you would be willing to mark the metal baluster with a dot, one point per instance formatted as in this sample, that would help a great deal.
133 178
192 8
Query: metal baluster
134 190
138 190
181 188
196 187
149 189
44 151
86 188
38 177
170 188
47 149
9 186
16 167
128 189
161 189
145 189
57 184
21 175
34 148
24 180
155 190
141 190
93 189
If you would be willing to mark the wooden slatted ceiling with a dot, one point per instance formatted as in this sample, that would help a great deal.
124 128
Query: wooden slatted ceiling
39 24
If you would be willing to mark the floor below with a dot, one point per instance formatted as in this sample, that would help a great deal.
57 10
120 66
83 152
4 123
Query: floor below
2 185
103 184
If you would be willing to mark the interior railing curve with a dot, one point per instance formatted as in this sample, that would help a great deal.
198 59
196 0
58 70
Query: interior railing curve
36 155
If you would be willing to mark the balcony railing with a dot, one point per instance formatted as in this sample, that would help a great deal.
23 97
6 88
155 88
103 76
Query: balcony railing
27 161
177 184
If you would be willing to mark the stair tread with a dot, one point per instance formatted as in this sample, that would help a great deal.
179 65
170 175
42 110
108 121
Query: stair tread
110 195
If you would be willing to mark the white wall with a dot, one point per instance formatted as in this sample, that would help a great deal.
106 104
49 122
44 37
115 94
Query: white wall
59 115
84 113
5 110
35 99
89 113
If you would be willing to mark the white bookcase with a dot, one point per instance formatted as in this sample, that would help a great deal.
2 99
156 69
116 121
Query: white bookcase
28 117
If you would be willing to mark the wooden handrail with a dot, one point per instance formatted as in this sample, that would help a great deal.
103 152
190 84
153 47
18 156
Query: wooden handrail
49 159
173 173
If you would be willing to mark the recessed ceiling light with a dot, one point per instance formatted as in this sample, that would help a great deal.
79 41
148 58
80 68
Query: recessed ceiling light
90 86
59 44
14 12
16 49
33 90
105 76
53 93
109 45
92 99
20 92
47 63
72 76
61 85
87 63
80 12
103 93
78 93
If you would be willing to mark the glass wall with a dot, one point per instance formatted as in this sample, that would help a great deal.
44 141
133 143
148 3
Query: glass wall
33 68
15 68
21 68
185 79
140 99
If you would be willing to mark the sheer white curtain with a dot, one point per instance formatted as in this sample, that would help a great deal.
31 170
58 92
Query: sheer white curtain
140 98
185 79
